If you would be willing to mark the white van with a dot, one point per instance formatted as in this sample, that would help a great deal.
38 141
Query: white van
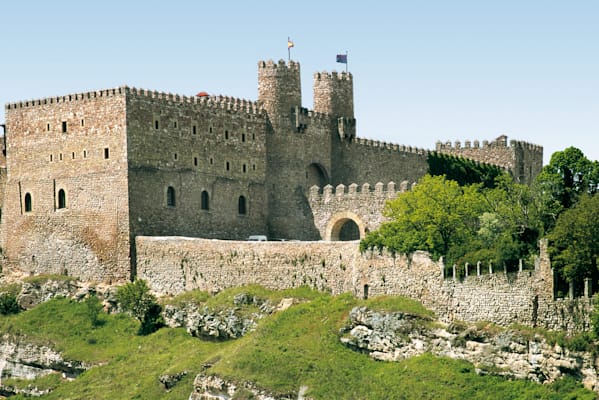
257 238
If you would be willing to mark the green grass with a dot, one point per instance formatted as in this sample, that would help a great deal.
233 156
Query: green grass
299 346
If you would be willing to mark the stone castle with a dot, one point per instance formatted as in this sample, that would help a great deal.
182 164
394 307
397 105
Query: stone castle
85 174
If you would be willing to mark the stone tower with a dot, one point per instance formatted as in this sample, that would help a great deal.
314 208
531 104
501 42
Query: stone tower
279 89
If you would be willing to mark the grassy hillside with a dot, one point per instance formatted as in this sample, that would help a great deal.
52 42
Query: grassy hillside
289 349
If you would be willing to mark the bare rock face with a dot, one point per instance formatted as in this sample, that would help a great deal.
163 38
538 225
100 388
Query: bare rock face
22 360
396 336
210 387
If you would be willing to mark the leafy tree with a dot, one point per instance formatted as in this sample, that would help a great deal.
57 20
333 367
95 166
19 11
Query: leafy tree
135 298
436 216
574 242
568 175
462 170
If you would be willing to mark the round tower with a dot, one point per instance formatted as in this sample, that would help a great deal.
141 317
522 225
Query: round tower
334 94
279 88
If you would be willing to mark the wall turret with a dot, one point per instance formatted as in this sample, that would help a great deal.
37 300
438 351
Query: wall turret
279 88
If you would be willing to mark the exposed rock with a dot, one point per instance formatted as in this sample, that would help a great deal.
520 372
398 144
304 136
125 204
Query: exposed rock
209 387
33 294
22 360
170 380
396 336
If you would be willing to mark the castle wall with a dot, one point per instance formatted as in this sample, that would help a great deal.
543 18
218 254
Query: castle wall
73 145
523 160
214 145
174 264
365 160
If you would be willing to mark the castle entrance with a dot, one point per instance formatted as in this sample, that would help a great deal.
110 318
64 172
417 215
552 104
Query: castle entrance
344 226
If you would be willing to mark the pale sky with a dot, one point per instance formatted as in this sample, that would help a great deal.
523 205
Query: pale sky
423 70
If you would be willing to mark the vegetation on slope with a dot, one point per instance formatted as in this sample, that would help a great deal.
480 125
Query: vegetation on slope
289 349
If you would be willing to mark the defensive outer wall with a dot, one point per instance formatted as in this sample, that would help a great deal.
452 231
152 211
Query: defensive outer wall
173 265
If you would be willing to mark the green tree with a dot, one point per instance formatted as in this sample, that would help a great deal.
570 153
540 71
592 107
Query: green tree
135 298
568 175
437 216
574 242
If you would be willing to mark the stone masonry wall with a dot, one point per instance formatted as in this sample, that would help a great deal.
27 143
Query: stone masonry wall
73 145
174 264
214 145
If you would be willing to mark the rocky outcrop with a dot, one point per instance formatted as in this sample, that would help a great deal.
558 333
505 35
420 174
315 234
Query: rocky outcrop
22 360
396 336
224 324
210 387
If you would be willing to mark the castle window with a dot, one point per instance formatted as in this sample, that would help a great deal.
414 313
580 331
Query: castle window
170 196
73 155
194 130
242 206
243 137
106 153
226 134
175 124
156 124
84 153
205 201
64 126
227 166
195 161
51 157
28 204
48 127
253 167
244 168
60 156
62 199
175 156
253 136
210 129
82 123
211 161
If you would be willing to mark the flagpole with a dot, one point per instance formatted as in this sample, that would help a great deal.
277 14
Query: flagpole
346 61
288 49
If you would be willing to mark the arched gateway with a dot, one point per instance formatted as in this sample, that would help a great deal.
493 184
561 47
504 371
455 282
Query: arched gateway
345 226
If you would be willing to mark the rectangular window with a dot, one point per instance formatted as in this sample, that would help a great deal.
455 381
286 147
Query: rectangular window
82 123
64 126
51 157
48 127
175 156
84 153
60 156
106 153
195 161
156 124
194 130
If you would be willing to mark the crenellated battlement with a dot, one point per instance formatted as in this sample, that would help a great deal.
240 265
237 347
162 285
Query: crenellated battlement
217 101
500 142
391 146
333 76
280 67
353 191
68 98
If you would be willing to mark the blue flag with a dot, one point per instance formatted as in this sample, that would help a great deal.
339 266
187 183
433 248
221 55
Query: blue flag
342 58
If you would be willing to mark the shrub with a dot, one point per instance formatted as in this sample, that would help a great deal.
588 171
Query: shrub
135 298
8 304
94 307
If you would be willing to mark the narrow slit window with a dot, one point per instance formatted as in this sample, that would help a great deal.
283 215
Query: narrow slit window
60 156
175 124
170 197
244 168
51 158
211 161
194 130
241 205
48 127
175 156
226 134
82 123
64 126
28 202
84 153
106 153
195 161
205 201
227 166
156 124
62 199
243 137
73 155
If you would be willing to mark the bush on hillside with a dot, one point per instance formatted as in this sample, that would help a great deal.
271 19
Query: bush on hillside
8 304
135 298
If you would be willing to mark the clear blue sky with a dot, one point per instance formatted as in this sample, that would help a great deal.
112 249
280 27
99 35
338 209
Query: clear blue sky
423 70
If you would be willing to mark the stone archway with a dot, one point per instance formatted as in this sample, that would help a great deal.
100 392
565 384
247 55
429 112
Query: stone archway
317 175
345 226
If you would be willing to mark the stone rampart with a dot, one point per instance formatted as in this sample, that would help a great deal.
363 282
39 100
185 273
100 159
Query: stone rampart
175 264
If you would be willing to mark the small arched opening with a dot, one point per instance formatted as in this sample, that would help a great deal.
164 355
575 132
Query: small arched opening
28 203
317 175
170 197
345 226
62 199
242 205
205 201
